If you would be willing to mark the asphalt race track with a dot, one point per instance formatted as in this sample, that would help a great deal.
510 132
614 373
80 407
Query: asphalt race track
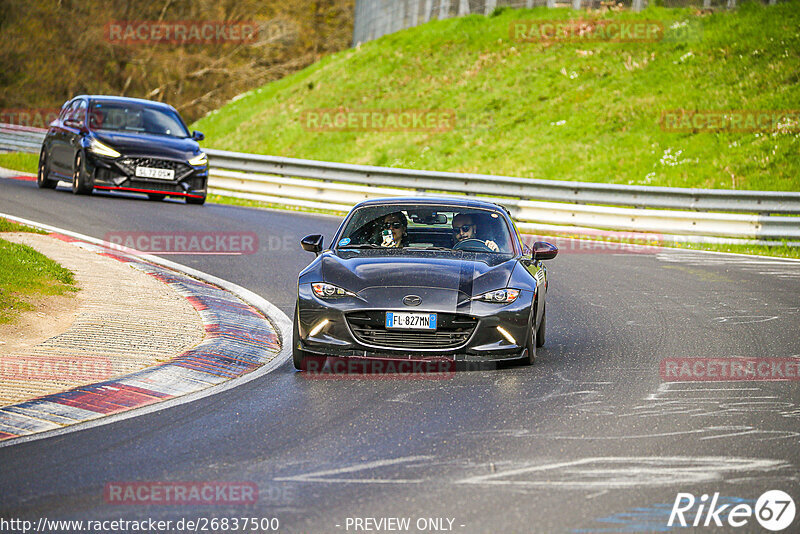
589 439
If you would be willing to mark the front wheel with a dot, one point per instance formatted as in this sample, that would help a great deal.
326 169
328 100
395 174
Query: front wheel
80 181
530 347
540 333
43 176
299 357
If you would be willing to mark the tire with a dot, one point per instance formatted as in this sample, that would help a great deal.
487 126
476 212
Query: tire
196 201
43 176
540 333
81 184
156 196
531 345
298 356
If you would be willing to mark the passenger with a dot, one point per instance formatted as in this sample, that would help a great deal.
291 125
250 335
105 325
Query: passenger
466 227
397 234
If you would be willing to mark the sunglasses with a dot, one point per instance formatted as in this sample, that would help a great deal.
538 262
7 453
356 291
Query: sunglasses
463 228
396 225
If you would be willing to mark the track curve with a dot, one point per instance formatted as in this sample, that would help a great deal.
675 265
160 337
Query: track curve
583 438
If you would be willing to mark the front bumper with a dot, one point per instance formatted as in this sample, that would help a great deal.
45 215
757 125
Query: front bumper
470 325
119 175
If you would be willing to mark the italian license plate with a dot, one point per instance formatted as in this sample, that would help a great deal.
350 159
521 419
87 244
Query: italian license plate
151 172
411 321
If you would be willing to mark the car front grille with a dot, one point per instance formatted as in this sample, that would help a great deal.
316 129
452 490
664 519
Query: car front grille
182 170
453 331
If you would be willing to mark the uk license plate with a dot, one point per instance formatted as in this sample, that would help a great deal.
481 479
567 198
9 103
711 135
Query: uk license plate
411 321
152 172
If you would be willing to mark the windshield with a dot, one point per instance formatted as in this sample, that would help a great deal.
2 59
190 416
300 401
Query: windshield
433 227
135 118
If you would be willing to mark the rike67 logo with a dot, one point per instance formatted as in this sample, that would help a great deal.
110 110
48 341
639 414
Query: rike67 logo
774 510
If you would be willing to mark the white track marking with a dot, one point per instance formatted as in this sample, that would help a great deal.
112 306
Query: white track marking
785 268
318 476
625 472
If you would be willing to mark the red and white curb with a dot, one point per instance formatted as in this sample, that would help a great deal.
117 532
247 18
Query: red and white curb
246 337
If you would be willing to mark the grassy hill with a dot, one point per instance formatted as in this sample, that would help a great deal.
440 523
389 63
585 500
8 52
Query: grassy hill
586 111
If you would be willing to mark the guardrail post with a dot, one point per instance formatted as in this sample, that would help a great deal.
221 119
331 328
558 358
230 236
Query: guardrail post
706 4
637 5
490 5
731 4
576 4
551 3
463 8
428 8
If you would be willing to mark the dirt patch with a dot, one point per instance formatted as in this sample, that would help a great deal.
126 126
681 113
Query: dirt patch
51 316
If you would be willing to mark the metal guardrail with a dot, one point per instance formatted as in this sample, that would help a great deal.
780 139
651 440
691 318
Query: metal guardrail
280 188
525 188
21 138
537 204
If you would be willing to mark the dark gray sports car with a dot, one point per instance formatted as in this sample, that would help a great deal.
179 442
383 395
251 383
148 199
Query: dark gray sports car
422 279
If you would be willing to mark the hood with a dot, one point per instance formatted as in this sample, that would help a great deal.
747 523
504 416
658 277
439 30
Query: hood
149 145
468 272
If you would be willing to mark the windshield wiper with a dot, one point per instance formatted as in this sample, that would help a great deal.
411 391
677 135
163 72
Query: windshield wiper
446 249
362 245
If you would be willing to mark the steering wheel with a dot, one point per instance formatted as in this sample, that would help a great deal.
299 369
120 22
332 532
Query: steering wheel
472 245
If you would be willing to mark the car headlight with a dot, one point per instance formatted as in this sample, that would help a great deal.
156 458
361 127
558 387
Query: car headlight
330 291
500 296
102 149
199 160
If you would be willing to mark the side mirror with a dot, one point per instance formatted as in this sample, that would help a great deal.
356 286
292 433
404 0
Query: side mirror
198 136
73 123
312 243
542 250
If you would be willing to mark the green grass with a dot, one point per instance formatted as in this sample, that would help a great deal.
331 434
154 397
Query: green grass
26 275
10 226
570 111
783 251
20 161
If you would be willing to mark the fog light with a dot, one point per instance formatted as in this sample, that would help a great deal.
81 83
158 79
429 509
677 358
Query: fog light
317 329
506 335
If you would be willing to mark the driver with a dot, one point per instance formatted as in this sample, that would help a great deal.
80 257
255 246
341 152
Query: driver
465 227
394 227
